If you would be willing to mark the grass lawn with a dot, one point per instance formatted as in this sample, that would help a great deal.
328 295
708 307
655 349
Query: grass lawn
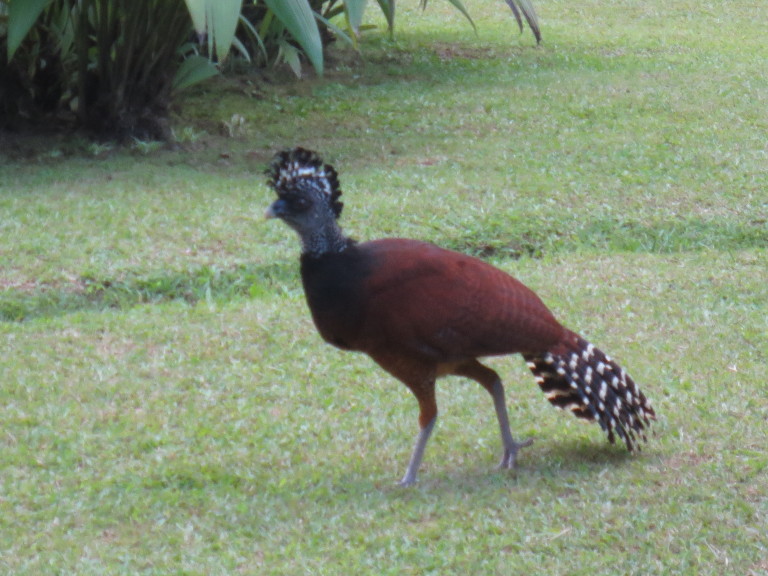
167 407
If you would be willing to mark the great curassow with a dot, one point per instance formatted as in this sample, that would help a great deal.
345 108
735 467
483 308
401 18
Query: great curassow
422 312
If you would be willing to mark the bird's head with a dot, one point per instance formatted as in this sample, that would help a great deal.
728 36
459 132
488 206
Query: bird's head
307 189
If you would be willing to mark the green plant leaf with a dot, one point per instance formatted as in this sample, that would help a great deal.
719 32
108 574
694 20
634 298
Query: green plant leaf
355 10
459 6
22 15
197 10
219 18
340 34
222 22
253 33
290 55
299 21
463 10
193 70
530 16
388 8
240 47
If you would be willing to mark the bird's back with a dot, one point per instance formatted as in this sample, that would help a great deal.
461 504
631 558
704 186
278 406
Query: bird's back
416 297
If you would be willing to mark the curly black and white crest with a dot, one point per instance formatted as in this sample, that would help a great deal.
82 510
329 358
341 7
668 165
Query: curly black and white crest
299 171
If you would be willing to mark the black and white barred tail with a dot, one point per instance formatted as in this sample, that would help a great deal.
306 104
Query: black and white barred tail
577 376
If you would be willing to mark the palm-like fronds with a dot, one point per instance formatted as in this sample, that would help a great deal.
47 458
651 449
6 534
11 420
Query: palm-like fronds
528 12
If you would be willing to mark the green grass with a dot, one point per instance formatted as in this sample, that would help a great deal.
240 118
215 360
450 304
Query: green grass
169 409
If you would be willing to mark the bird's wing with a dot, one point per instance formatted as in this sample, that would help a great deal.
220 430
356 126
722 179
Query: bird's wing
449 305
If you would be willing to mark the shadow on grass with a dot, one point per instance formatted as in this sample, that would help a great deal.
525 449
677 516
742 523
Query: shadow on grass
674 236
554 465
486 240
192 286
561 459
533 238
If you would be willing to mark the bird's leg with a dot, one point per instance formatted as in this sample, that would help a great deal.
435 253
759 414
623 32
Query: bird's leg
427 417
417 454
489 380
509 459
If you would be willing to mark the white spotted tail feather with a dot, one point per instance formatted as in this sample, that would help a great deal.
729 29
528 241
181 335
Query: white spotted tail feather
577 376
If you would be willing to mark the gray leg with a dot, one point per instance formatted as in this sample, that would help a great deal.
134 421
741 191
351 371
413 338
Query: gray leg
489 380
419 376
418 453
511 447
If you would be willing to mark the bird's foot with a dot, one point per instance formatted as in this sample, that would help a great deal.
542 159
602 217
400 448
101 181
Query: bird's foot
509 460
407 481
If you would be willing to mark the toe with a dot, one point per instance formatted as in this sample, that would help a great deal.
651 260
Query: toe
509 460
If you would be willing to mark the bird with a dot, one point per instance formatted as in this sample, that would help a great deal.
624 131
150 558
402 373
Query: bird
422 312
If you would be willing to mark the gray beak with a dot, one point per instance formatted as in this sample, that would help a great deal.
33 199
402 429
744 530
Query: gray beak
276 209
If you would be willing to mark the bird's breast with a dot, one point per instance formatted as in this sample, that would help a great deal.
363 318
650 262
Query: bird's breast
333 286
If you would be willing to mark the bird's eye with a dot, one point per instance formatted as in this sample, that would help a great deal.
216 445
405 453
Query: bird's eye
300 204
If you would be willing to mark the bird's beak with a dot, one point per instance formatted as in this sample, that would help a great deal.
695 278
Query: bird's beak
275 210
